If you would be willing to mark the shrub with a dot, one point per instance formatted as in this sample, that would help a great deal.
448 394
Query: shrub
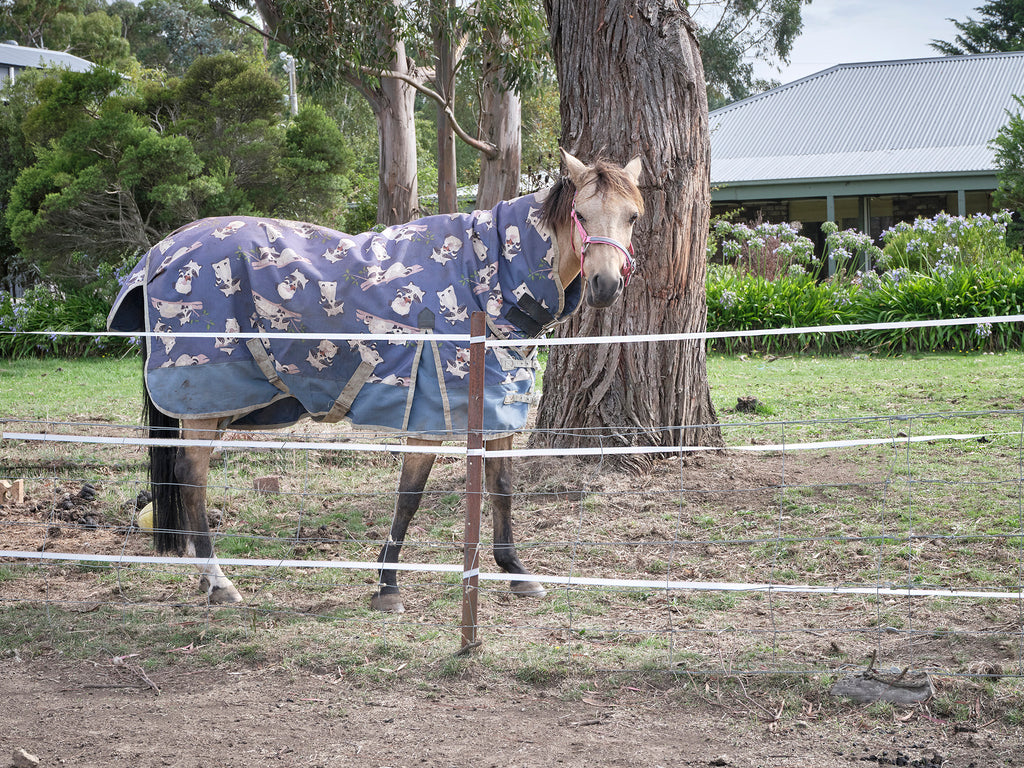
743 302
738 302
32 325
764 250
849 250
939 243
942 267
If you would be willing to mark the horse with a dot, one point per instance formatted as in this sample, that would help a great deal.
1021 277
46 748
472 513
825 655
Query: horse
527 263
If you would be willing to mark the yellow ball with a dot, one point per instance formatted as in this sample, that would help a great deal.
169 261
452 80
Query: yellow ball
146 517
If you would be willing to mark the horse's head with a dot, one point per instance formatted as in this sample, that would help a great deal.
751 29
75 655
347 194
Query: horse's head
599 205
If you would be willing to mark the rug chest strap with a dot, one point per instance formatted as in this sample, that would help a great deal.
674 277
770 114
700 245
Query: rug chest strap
529 316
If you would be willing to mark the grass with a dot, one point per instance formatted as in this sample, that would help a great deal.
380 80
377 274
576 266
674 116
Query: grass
794 389
878 392
90 388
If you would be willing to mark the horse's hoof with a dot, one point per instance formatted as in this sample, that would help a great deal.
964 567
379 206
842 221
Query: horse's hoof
389 603
219 595
224 595
528 589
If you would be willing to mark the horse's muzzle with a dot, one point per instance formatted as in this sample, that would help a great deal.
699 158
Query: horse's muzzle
603 290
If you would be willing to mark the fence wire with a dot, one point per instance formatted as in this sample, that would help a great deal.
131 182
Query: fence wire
807 546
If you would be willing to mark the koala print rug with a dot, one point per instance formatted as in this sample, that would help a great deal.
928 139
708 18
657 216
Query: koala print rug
272 277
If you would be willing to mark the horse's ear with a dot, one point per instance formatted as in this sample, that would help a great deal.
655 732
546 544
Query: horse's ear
633 168
575 167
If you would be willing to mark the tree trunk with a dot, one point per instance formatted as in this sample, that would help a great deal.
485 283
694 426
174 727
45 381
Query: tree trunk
398 195
444 83
501 120
631 83
393 105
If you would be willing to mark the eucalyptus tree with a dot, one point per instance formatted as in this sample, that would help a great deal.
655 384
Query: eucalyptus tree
632 83
361 43
171 34
734 33
377 46
511 50
30 22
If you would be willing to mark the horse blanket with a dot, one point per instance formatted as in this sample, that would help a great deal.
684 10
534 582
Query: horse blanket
271 277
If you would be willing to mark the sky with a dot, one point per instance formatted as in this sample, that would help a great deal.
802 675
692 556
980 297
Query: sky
849 31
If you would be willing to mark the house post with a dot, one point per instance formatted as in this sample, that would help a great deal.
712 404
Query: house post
830 215
865 227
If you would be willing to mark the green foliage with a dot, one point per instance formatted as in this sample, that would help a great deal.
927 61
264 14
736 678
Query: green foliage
738 302
171 34
104 183
734 34
1008 145
84 28
315 157
945 267
508 39
1000 28
118 166
44 308
542 127
15 155
231 112
95 37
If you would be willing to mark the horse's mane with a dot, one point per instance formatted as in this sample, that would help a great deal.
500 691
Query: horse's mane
607 176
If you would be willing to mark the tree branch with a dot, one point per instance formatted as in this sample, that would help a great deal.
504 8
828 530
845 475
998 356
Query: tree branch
227 14
485 147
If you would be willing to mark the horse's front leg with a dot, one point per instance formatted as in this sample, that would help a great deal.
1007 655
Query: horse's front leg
415 471
192 470
498 474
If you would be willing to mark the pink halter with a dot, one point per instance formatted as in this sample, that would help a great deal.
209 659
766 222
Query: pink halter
628 265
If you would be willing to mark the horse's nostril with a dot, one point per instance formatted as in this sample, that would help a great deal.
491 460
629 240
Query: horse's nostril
604 289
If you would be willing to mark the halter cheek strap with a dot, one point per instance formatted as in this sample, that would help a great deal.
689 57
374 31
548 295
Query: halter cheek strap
627 266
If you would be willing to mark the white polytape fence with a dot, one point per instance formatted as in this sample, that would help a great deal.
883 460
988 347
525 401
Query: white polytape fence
567 581
595 451
551 342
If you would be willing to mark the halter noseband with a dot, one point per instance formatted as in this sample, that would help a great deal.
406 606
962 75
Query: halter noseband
627 266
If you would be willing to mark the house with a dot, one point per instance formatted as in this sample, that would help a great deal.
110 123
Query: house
866 145
14 58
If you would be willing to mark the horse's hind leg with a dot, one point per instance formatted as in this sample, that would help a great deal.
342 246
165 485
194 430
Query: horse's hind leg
415 471
498 474
191 470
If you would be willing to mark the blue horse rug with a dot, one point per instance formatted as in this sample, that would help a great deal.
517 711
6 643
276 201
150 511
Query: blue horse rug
271 277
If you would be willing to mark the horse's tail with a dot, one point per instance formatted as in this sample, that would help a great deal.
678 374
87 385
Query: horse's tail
170 521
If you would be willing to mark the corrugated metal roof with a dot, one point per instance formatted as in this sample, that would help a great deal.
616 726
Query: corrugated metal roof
23 57
918 116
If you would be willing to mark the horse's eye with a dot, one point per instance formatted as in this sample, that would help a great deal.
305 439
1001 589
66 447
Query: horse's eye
582 219
633 218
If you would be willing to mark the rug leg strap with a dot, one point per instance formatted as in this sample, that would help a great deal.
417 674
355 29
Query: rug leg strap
266 363
348 394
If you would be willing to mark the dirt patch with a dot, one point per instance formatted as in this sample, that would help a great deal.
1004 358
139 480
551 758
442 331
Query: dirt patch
94 715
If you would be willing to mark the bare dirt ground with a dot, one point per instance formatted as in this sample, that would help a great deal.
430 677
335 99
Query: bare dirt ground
98 714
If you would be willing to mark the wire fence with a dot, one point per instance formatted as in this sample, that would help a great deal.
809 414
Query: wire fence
806 546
